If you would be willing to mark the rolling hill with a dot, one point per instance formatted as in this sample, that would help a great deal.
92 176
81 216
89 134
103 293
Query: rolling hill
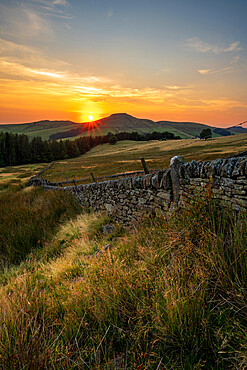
114 123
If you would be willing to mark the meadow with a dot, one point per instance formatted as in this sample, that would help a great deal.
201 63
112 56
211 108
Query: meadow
125 156
169 293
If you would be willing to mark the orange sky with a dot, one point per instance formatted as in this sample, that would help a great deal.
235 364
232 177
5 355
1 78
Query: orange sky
63 60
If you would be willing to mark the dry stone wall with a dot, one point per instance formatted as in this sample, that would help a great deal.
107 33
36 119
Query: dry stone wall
227 178
128 198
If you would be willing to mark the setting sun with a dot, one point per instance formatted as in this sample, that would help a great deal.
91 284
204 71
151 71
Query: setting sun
90 117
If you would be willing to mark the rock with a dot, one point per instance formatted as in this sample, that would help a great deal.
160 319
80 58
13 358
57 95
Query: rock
109 207
109 228
176 163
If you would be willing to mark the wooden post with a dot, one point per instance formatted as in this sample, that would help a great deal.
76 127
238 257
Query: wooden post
146 171
93 177
75 186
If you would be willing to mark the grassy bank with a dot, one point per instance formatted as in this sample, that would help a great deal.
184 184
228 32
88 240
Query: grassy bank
170 294
28 219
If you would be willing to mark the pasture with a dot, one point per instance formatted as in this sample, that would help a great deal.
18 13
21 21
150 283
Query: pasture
124 156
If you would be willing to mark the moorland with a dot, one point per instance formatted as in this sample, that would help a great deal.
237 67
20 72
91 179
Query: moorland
169 293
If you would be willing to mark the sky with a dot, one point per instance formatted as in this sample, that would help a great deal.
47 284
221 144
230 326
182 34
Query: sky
177 60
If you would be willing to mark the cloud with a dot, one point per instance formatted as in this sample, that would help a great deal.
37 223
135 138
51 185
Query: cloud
110 13
176 87
204 71
77 86
24 22
235 60
51 2
60 2
210 71
19 62
197 44
55 8
32 19
27 56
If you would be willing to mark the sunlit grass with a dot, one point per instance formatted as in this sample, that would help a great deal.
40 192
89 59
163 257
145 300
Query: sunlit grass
125 156
27 220
170 293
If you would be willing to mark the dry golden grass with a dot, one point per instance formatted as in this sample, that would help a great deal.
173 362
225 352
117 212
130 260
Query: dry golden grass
125 156
170 294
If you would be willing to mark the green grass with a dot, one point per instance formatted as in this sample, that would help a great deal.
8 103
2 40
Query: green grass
44 129
170 294
28 219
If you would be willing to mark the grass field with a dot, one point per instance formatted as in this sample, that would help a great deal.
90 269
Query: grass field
106 159
125 156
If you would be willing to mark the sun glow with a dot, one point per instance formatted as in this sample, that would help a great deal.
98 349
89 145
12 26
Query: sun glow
90 117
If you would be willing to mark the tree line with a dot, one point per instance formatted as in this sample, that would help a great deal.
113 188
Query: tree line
17 149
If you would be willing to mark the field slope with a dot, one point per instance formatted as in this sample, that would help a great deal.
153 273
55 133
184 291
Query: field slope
168 294
125 156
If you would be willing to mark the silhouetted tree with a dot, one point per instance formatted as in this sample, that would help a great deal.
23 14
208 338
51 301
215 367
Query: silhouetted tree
206 134
112 139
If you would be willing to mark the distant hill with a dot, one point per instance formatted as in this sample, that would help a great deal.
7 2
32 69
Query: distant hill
237 130
39 128
114 123
188 129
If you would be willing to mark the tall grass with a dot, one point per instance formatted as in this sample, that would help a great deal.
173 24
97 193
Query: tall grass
169 295
28 219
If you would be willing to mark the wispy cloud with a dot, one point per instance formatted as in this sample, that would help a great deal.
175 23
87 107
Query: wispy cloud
234 46
235 60
221 70
27 56
204 71
50 2
197 44
177 87
32 18
110 13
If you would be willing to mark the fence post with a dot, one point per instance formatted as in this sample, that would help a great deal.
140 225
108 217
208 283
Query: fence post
93 177
146 171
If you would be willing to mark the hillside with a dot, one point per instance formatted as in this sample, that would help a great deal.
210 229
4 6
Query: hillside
237 130
189 129
125 156
114 123
168 294
40 128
